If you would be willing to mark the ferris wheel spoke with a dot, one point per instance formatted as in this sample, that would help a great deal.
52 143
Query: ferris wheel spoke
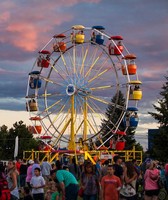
52 94
59 112
57 128
93 113
83 61
62 132
93 64
97 108
57 72
54 104
79 60
98 75
101 87
79 111
107 103
74 59
45 113
51 81
101 71
92 127
92 122
99 99
70 65
64 62
93 55
82 116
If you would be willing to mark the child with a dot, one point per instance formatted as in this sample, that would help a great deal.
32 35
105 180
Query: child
37 183
55 195
52 192
27 195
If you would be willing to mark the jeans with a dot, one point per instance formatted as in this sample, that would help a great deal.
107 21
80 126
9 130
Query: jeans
13 197
90 197
22 180
39 196
71 192
166 176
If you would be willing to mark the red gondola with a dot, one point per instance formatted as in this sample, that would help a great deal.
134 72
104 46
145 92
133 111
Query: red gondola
118 48
35 129
43 59
120 145
60 45
121 133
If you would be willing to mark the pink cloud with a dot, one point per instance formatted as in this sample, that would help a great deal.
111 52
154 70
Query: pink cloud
26 36
27 29
4 17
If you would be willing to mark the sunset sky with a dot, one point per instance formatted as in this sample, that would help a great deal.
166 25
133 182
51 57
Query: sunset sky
27 25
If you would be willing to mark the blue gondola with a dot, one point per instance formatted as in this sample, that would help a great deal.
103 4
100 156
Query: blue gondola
34 82
131 118
98 38
98 27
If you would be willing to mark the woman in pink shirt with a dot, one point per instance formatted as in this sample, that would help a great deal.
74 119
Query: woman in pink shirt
29 173
151 178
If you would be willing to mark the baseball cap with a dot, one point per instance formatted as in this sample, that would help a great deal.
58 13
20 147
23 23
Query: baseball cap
31 162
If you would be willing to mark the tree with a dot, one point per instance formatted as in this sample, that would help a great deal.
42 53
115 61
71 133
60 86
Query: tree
3 142
130 140
160 140
26 140
112 116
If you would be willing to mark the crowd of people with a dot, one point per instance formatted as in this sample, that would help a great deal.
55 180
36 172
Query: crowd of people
67 180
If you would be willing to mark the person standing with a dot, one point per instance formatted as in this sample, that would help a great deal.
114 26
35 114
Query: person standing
98 168
151 178
74 168
118 168
37 183
23 172
128 190
18 164
29 173
45 170
35 165
90 182
166 175
12 176
104 168
111 185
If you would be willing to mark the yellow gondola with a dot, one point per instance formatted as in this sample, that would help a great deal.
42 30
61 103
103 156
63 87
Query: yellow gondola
136 92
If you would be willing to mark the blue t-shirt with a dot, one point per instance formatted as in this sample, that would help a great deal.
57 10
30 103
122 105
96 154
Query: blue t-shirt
66 177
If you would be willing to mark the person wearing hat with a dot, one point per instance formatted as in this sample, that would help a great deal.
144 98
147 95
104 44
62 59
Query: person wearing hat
29 173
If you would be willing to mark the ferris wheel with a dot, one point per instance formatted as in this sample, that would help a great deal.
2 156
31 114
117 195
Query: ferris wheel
72 82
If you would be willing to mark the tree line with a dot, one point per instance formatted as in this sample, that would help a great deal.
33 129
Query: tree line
7 140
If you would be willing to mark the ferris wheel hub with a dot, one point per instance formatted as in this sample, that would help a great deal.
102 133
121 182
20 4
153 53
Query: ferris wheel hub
70 90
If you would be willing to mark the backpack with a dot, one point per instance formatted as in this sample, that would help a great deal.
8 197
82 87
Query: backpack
4 190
